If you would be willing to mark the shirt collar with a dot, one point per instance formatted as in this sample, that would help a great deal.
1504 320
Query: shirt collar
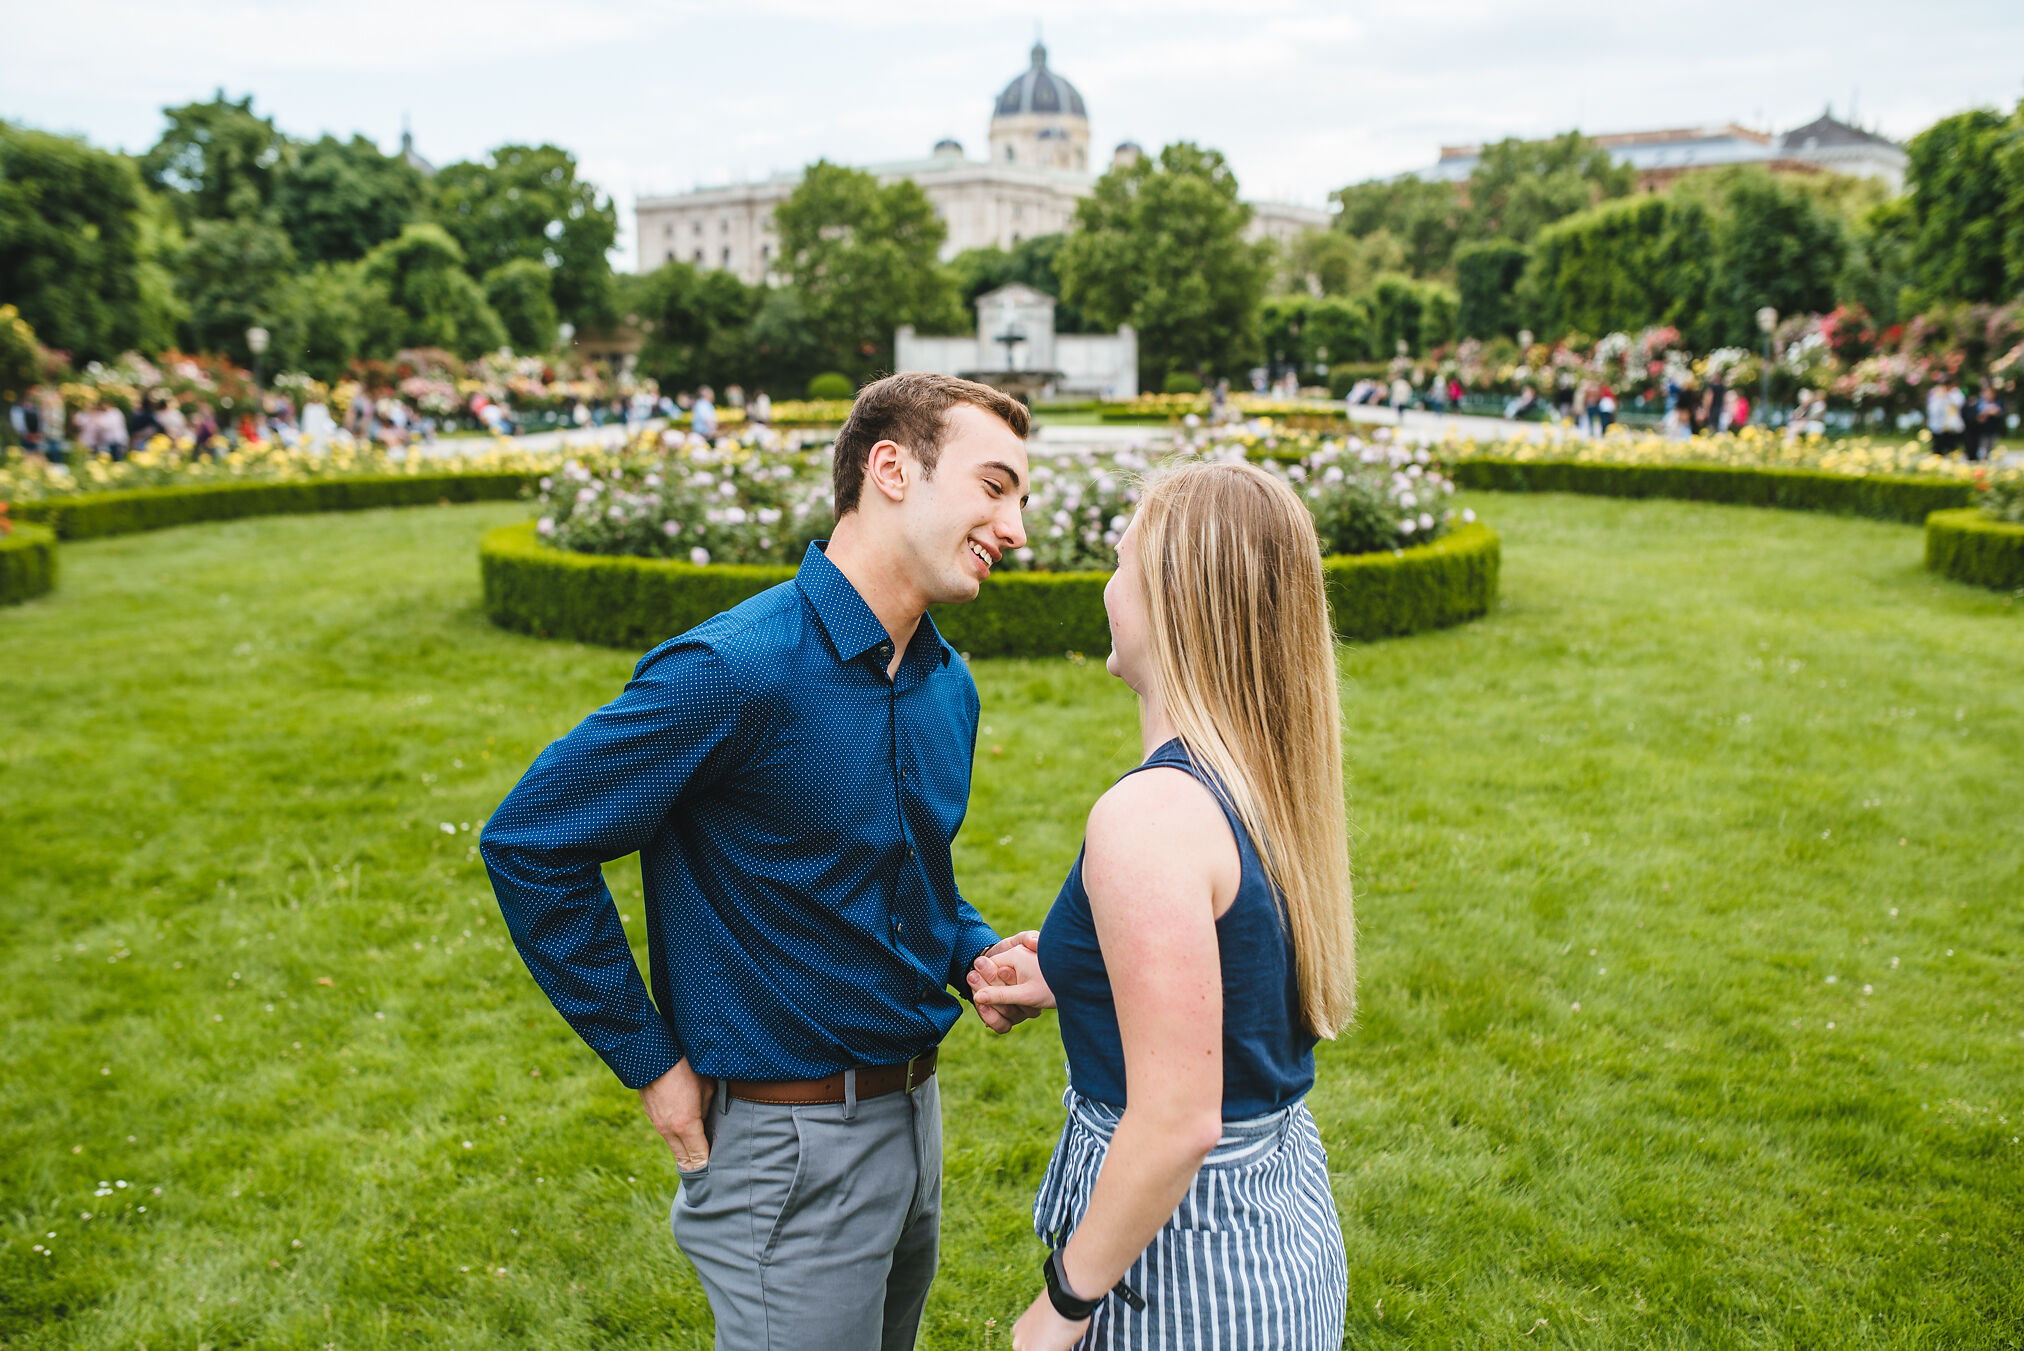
852 627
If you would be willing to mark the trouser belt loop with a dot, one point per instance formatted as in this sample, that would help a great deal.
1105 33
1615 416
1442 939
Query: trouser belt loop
850 1095
723 1097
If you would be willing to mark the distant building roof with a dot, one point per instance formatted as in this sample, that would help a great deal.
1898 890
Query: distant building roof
1039 90
415 161
1825 132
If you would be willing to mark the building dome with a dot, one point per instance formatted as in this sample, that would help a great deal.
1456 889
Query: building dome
1040 90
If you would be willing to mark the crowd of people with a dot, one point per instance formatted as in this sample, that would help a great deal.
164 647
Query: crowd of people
1959 422
103 427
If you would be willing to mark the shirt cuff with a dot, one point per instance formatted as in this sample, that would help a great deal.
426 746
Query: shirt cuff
974 942
645 1056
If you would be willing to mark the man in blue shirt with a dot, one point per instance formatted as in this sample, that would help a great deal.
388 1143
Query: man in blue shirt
792 774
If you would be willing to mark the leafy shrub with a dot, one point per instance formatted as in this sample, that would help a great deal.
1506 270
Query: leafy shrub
27 563
1433 586
1365 496
2003 498
1180 382
1968 546
831 385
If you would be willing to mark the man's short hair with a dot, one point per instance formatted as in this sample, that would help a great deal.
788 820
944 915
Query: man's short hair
910 409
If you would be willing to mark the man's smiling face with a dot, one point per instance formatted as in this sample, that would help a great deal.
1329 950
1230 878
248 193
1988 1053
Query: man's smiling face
962 521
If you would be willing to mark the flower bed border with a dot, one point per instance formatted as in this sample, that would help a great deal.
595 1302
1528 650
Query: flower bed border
27 563
1968 546
1884 497
634 603
96 515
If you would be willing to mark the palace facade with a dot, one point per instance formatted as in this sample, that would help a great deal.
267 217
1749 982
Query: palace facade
1037 169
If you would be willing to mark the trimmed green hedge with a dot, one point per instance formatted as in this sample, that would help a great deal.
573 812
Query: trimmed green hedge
1434 586
1886 498
27 563
1968 546
638 602
93 515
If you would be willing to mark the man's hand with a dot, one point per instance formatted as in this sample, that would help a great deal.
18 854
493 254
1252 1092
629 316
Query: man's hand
677 1104
1006 985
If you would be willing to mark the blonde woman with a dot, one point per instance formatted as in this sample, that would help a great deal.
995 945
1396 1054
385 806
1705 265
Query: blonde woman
1201 945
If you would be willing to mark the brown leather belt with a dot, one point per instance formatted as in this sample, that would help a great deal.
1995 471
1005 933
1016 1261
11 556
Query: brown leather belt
873 1081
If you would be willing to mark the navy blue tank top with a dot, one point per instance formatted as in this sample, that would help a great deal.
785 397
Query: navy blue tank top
1268 1053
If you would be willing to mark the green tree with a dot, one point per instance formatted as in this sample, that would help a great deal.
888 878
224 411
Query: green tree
1310 332
1422 216
697 324
1487 272
430 300
81 243
340 198
520 293
863 258
218 159
1030 262
527 202
1518 187
232 274
1960 204
1776 245
323 318
1420 314
1159 244
1623 265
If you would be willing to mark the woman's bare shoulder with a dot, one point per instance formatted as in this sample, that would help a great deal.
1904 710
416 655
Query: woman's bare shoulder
1161 820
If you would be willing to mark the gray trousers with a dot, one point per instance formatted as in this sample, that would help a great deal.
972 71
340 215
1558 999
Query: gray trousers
817 1226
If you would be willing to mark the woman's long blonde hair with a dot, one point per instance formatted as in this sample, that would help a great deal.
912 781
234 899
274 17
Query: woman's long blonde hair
1244 660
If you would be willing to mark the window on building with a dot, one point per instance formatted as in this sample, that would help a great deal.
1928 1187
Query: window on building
724 226
1008 154
699 227
668 230
727 255
765 253
699 255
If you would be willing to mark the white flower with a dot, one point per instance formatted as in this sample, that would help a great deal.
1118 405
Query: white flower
1333 474
1119 521
1191 421
727 488
1407 526
584 495
671 528
1469 515
1024 555
699 555
769 515
447 828
617 513
1426 520
545 526
1407 499
734 515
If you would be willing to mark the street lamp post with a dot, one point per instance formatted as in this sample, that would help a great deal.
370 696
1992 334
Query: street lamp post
1767 320
256 343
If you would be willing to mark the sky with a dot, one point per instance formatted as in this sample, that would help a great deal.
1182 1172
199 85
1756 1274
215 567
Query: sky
1301 97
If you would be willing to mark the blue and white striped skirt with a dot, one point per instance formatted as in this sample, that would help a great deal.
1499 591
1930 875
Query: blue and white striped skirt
1252 1257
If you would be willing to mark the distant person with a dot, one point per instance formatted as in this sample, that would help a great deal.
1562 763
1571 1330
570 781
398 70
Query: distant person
113 431
1987 427
146 422
1605 409
1401 397
760 410
703 417
1517 408
1437 396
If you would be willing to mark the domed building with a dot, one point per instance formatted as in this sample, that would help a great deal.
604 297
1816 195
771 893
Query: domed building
1037 170
1040 122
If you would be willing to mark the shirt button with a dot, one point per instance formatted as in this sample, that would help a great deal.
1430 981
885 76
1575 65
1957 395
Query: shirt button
899 925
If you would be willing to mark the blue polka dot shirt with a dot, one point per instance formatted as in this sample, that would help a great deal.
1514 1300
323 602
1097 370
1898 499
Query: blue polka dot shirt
793 810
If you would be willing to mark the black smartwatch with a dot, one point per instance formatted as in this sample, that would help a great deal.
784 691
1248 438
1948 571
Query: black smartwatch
1071 1305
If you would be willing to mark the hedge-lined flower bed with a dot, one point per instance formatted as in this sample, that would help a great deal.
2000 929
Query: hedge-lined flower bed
637 602
1883 497
27 563
1969 545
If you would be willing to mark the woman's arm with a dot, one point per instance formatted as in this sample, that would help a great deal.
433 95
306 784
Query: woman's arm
1159 861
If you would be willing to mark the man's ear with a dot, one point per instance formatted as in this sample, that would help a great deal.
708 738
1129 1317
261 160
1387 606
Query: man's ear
887 470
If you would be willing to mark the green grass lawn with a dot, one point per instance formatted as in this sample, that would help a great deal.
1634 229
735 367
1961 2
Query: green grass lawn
1693 985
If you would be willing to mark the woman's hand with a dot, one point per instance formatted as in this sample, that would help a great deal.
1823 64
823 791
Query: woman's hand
1041 1328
